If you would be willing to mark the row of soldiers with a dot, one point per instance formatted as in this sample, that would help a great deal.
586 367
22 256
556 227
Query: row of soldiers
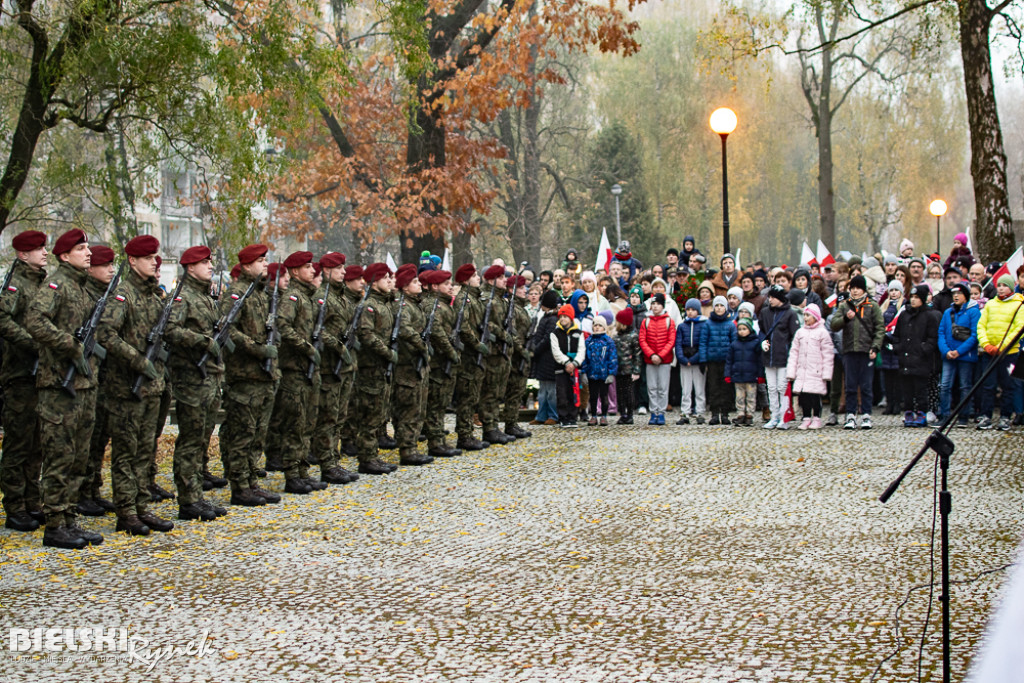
309 361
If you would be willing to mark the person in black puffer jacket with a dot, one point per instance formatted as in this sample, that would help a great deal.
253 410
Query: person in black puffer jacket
778 324
917 341
544 364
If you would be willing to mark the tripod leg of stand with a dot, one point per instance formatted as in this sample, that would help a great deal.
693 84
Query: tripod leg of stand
945 506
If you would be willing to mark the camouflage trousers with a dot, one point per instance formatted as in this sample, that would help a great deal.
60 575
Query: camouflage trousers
247 408
345 432
92 481
514 392
369 411
334 395
161 422
492 391
297 403
408 399
197 406
132 424
22 458
65 429
439 396
468 395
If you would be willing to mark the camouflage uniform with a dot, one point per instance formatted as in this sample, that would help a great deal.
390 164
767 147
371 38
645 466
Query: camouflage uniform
55 312
372 393
189 333
518 354
332 386
496 366
349 303
298 397
22 457
471 375
409 393
92 480
441 385
130 315
248 388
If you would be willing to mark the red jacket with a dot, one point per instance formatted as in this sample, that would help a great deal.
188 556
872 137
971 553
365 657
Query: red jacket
658 337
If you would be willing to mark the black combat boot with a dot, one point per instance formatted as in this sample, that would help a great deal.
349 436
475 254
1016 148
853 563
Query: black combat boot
157 493
494 437
314 484
156 523
268 496
91 537
247 497
312 459
217 510
375 466
215 481
21 521
274 463
107 505
348 448
442 450
89 508
63 537
513 429
470 443
410 457
297 486
386 443
37 515
207 484
335 475
132 524
196 511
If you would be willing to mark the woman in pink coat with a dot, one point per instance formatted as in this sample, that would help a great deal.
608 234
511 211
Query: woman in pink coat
810 366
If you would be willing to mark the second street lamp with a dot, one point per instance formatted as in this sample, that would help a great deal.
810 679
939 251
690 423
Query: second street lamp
617 190
938 209
723 121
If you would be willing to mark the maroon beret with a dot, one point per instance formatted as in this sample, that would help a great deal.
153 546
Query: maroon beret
298 259
68 240
516 281
429 277
439 276
159 261
375 271
465 272
251 253
143 245
28 240
273 269
194 255
405 275
236 270
353 273
332 259
317 269
494 272
101 255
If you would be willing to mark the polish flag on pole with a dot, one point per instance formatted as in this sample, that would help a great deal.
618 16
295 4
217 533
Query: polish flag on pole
1015 261
390 262
807 256
604 252
824 257
446 262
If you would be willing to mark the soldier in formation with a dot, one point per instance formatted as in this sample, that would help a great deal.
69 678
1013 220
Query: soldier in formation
309 360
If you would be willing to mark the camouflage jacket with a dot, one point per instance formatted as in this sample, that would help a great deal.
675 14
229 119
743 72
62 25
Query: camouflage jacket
520 333
441 332
334 326
95 289
248 334
131 313
496 323
627 346
373 334
55 312
349 302
472 319
189 332
410 342
296 315
20 349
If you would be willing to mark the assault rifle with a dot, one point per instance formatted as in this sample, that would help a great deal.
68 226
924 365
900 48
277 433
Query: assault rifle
271 327
484 334
456 332
510 314
222 329
425 335
394 338
155 338
86 333
350 335
318 330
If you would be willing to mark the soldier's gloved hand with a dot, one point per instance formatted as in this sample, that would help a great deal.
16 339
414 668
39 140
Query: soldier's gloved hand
149 371
229 345
483 348
269 351
213 347
346 356
455 358
394 357
79 361
315 356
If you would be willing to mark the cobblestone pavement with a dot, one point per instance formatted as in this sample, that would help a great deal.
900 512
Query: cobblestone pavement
596 554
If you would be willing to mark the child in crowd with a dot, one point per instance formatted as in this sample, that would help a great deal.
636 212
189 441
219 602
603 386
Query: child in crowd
570 351
810 365
630 357
716 337
860 320
734 297
657 340
600 365
744 370
890 363
917 338
691 376
778 326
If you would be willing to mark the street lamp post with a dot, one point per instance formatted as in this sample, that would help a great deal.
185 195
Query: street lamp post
938 209
617 190
723 121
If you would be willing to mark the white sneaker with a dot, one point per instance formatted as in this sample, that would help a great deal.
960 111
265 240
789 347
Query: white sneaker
770 424
931 418
851 421
785 425
865 422
641 411
805 423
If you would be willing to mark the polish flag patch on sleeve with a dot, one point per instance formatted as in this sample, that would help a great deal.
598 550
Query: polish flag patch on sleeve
294 298
235 296
54 285
177 298
12 288
119 297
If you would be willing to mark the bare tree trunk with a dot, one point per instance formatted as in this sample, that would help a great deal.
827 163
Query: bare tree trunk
826 190
426 149
988 158
462 249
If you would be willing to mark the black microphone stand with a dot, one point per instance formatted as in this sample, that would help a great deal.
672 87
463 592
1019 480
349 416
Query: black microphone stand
943 447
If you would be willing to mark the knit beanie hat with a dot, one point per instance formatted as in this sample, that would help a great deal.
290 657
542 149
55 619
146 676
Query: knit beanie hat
921 292
961 238
1006 279
736 292
549 299
891 258
859 282
814 311
694 304
725 256
607 316
906 244
708 286
745 322
658 298
625 317
638 290
962 288
796 297
567 311
897 285
777 292
720 300
748 308
600 322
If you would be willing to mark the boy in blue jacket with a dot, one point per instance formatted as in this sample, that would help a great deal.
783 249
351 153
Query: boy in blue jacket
600 366
691 373
744 369
716 337
958 347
